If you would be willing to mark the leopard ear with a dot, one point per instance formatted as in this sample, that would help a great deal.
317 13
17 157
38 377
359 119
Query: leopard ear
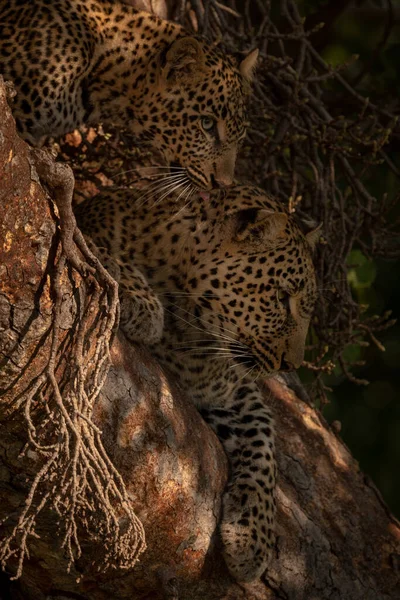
248 65
313 236
184 61
261 224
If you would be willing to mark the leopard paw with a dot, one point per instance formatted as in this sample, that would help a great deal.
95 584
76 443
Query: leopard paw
247 531
142 319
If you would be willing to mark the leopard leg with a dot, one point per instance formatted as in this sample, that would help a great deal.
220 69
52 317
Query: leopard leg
142 314
246 430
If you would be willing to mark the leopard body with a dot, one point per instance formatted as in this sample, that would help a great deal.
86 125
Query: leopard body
223 292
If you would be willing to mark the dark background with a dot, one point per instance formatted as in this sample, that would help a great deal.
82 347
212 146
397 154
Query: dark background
370 415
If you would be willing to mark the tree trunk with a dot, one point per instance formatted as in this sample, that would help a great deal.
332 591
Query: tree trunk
336 537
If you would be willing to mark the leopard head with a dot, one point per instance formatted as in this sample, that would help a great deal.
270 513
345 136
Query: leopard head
253 281
194 110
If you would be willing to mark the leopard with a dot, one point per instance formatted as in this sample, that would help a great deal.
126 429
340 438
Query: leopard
231 284
76 62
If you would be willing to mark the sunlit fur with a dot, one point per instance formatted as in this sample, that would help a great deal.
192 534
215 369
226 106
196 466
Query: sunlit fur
234 281
91 61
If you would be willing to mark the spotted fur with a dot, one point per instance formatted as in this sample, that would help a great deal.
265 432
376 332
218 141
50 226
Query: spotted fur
236 281
86 61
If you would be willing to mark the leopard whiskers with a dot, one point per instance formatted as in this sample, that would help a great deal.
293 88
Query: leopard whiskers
210 341
230 350
138 170
189 192
153 186
165 187
170 189
223 330
221 335
227 357
191 324
247 373
214 351
192 192
196 344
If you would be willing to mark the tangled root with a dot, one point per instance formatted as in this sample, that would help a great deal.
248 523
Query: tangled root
77 479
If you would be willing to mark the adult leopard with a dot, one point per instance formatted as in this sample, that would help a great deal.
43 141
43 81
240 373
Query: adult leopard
235 281
90 61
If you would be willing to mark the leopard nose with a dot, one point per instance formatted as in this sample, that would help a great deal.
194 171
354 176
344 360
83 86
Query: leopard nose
221 181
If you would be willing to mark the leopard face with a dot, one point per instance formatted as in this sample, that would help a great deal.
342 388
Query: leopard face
252 282
194 111
239 269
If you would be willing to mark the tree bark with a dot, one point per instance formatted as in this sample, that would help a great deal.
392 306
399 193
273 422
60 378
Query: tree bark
336 537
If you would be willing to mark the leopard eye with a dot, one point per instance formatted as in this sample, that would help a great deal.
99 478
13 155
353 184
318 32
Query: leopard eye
207 123
284 298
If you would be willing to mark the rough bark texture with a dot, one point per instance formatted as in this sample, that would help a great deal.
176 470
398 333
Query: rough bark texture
337 539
